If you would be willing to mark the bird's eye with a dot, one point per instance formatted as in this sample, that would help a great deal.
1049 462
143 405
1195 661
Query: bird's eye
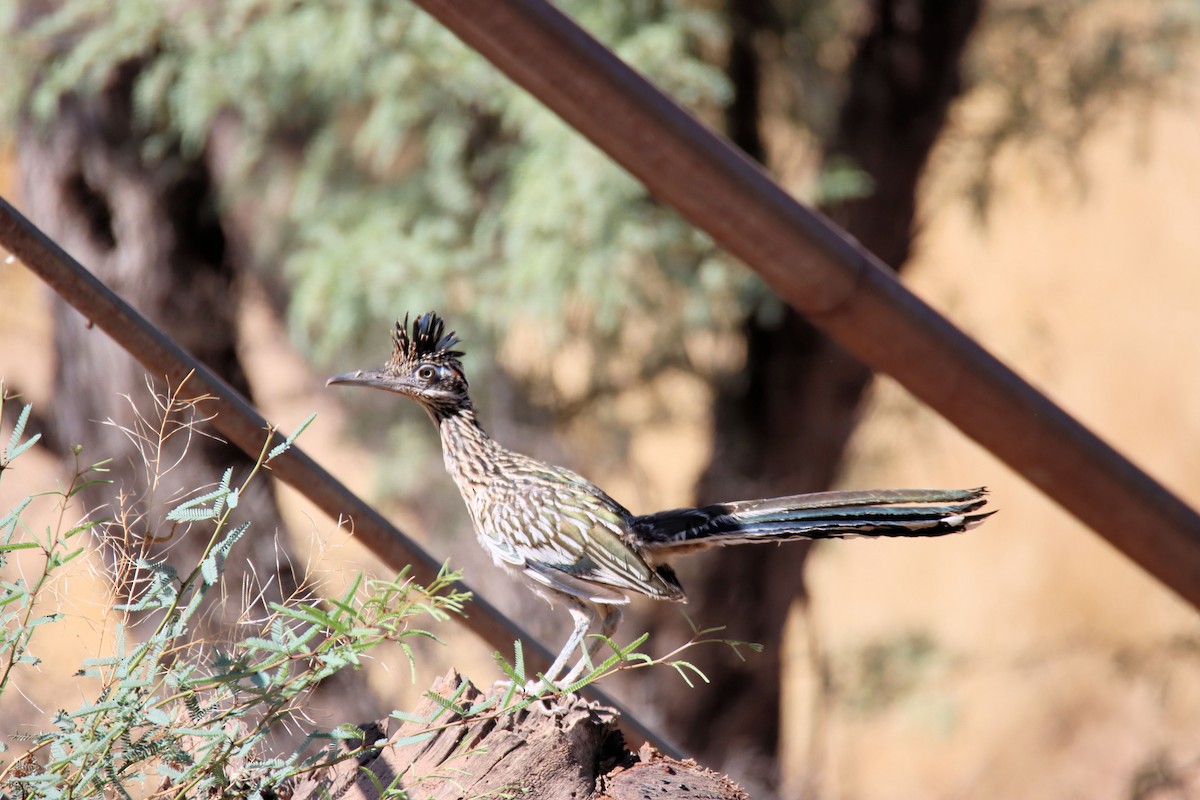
426 373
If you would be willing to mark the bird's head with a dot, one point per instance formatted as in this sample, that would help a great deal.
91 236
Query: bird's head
423 366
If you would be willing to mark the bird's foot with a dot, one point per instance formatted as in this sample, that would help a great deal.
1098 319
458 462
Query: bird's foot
551 706
531 688
547 698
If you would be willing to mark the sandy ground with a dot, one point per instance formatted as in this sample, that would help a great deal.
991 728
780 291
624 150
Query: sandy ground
1026 659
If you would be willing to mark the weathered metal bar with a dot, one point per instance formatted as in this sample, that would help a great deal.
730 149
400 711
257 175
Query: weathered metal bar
238 420
825 274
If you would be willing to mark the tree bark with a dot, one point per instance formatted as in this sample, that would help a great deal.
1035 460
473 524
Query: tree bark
782 425
576 752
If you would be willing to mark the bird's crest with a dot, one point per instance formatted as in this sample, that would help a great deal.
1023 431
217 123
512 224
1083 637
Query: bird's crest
427 341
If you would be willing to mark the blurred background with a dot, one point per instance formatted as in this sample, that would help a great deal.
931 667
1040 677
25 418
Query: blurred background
274 184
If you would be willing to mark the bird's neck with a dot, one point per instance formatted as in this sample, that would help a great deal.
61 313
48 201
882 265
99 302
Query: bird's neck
467 449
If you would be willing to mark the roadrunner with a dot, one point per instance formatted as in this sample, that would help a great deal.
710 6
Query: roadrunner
572 543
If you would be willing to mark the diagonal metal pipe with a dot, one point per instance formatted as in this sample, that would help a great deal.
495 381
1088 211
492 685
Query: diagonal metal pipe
245 427
825 274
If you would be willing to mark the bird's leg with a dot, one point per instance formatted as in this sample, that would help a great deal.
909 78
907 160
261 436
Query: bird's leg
584 615
608 626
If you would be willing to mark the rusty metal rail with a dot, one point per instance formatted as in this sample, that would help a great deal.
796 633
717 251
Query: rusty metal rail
825 274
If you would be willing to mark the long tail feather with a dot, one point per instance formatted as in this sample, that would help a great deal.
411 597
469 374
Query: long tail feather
824 515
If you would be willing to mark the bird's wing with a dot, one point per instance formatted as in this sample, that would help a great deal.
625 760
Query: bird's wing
574 542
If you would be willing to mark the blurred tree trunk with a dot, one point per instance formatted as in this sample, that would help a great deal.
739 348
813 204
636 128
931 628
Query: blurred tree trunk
150 230
781 427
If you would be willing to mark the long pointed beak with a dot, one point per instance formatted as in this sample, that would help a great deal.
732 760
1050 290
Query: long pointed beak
365 377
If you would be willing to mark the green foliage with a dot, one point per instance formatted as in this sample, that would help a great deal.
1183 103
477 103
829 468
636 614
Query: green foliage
175 715
393 169
20 620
